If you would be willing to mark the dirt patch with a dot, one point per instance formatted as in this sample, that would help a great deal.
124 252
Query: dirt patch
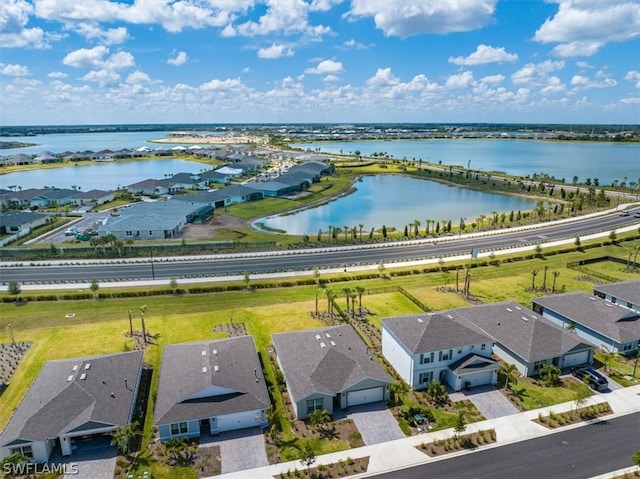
204 231
232 329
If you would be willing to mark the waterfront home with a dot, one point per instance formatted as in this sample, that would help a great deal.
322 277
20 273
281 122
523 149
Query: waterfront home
12 221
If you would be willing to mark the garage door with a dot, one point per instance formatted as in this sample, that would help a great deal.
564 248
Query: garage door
477 379
365 396
576 358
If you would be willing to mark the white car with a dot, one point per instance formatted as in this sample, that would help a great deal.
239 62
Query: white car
624 213
70 231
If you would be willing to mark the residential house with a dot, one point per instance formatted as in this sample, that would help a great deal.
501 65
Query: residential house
15 221
329 368
92 197
52 197
210 387
189 181
428 347
597 320
151 187
274 188
624 293
73 404
523 337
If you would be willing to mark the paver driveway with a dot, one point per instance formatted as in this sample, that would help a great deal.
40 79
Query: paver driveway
489 401
240 450
375 423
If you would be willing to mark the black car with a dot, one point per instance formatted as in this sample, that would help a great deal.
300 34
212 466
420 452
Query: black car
596 380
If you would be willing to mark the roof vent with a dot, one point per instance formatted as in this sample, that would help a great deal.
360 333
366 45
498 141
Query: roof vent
449 316
318 337
215 352
524 318
216 368
83 376
322 345
518 308
70 378
333 343
608 305
75 367
420 320
87 366
204 369
327 335
510 310
204 353
592 298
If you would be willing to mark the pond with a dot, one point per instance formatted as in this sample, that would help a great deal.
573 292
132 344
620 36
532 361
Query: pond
395 201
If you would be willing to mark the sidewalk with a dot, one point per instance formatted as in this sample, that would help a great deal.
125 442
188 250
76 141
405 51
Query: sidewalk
402 453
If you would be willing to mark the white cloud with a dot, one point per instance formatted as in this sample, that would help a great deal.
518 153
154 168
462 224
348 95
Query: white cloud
493 79
57 75
631 101
287 17
536 74
582 27
180 58
275 51
383 76
583 64
581 82
459 81
102 77
13 32
119 61
228 85
633 75
554 85
483 55
415 17
137 77
86 57
14 70
326 67
331 78
111 36
352 44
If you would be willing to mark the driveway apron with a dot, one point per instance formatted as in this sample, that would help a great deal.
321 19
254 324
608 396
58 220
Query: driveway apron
490 402
241 450
375 423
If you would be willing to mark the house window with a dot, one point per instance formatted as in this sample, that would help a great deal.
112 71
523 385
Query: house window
179 428
613 300
537 365
316 404
425 378
26 451
483 347
426 358
459 351
445 355
629 304
129 233
627 346
150 233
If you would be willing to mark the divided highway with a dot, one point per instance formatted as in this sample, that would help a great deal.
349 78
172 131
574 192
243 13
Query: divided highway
321 258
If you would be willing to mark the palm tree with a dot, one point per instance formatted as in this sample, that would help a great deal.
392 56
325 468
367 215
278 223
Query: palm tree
331 295
346 232
544 278
360 291
123 436
347 295
608 355
398 391
360 226
143 308
555 277
416 225
320 417
534 273
507 371
481 218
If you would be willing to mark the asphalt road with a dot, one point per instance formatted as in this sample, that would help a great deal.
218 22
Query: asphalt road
575 454
305 261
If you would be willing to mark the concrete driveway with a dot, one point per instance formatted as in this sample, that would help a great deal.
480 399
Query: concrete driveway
489 401
375 423
240 450
90 464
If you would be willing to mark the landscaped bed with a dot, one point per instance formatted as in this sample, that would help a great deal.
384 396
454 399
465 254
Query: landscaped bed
553 420
341 468
457 443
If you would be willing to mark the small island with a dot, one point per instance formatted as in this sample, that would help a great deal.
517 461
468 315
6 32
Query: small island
15 144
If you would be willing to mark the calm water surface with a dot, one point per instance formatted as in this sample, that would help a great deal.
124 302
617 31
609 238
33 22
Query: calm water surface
605 161
395 200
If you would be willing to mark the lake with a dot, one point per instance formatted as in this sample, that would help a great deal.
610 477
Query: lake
605 161
100 176
396 200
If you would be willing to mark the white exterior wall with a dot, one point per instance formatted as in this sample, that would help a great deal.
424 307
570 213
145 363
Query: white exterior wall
510 358
41 450
397 355
585 333
622 302
240 420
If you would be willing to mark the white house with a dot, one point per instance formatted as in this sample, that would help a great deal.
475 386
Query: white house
428 347
597 320
210 387
73 403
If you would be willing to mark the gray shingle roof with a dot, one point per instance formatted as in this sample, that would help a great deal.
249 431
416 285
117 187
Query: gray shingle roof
55 405
432 332
19 218
520 330
309 367
604 317
473 363
232 381
625 290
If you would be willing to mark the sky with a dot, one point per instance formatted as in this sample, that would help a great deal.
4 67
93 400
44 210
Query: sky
319 61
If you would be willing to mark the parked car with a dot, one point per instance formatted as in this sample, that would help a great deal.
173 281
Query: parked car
623 213
636 215
596 380
70 231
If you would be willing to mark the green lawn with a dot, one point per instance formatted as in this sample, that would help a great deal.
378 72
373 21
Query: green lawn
532 396
622 369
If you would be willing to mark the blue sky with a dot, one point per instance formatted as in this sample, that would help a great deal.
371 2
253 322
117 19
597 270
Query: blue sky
275 61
